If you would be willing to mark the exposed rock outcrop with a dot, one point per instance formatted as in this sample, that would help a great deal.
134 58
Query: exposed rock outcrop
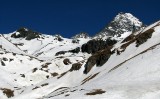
81 35
75 66
93 46
97 59
66 61
25 33
76 50
123 22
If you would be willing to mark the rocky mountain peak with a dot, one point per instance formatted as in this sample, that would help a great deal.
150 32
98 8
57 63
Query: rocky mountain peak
127 17
121 23
81 35
25 33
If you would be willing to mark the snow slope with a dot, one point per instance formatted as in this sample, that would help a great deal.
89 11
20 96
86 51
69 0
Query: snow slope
136 77
8 45
47 46
49 67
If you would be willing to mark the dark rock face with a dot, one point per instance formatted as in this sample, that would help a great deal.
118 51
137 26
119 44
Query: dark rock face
90 63
11 59
8 92
75 41
144 37
75 66
66 61
76 50
4 59
138 39
93 46
0 46
25 33
97 59
2 63
58 37
22 75
54 74
100 51
34 70
60 52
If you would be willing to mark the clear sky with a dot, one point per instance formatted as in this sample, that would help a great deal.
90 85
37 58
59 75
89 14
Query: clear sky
69 17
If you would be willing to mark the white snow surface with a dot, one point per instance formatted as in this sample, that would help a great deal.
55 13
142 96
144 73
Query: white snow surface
29 69
128 16
126 23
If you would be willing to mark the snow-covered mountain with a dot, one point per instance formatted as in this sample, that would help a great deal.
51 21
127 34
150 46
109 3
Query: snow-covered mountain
81 35
39 66
123 23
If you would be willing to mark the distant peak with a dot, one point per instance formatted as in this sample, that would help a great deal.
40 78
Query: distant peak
121 23
127 17
25 33
81 35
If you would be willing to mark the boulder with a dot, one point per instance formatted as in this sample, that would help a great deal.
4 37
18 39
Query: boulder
66 61
75 66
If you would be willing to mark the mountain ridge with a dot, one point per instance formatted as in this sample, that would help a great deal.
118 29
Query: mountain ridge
121 17
54 67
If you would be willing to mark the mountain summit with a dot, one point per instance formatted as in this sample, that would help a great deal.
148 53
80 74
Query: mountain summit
81 35
25 33
122 23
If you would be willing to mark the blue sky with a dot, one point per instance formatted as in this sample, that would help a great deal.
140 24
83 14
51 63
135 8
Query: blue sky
69 17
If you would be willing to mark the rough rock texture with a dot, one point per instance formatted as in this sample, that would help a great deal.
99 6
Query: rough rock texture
76 50
60 52
123 22
144 37
97 59
25 33
66 61
138 39
58 37
100 50
8 92
75 66
2 63
93 46
81 35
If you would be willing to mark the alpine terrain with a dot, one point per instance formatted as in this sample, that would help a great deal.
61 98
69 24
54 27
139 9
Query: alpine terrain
119 62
